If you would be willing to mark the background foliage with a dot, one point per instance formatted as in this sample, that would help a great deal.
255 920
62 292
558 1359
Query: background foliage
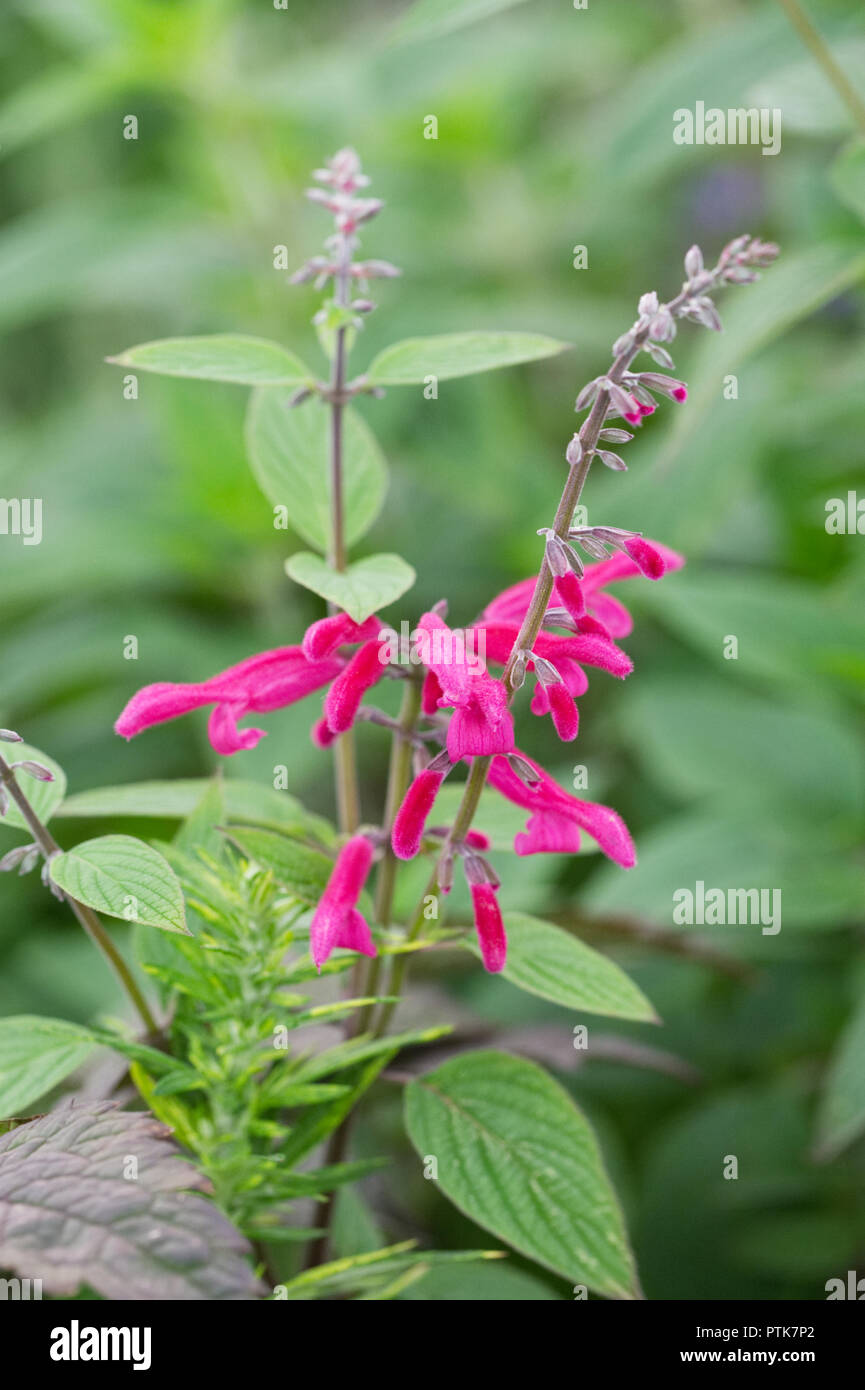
554 128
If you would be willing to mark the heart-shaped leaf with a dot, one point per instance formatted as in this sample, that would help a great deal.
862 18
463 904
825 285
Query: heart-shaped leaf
219 357
362 589
124 877
44 797
448 355
289 450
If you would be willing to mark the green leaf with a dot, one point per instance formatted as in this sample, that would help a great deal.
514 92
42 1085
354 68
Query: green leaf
219 357
70 1216
457 354
354 1273
124 877
516 1155
244 800
768 620
36 1054
841 1116
44 797
847 177
361 589
430 19
707 740
808 98
289 450
303 870
548 961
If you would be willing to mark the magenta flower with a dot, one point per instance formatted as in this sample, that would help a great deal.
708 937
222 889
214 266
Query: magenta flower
489 925
481 723
336 921
364 670
323 638
258 685
411 818
557 817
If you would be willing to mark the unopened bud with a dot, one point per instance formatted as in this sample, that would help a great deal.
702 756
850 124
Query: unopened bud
518 670
524 770
693 262
9 736
37 770
445 872
574 451
611 460
616 436
648 304
440 763
556 555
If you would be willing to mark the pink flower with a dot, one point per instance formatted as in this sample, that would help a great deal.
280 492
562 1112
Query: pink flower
352 683
489 925
566 716
408 826
615 620
336 921
557 817
258 685
323 637
648 558
481 723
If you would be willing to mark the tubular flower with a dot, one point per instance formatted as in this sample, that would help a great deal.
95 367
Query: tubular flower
481 723
258 685
655 560
323 638
336 921
411 818
489 926
343 699
557 817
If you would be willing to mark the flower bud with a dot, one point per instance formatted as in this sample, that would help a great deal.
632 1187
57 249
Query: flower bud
37 770
574 451
693 262
8 736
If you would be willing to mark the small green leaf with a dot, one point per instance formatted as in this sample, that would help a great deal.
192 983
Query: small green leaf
36 1054
44 797
362 589
289 451
219 357
516 1155
547 961
124 877
303 870
372 1268
457 354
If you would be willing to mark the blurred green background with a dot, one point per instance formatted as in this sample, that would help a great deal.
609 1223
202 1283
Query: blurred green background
554 129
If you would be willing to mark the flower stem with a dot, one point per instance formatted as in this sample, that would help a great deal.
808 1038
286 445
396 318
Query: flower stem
825 59
87 918
345 760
